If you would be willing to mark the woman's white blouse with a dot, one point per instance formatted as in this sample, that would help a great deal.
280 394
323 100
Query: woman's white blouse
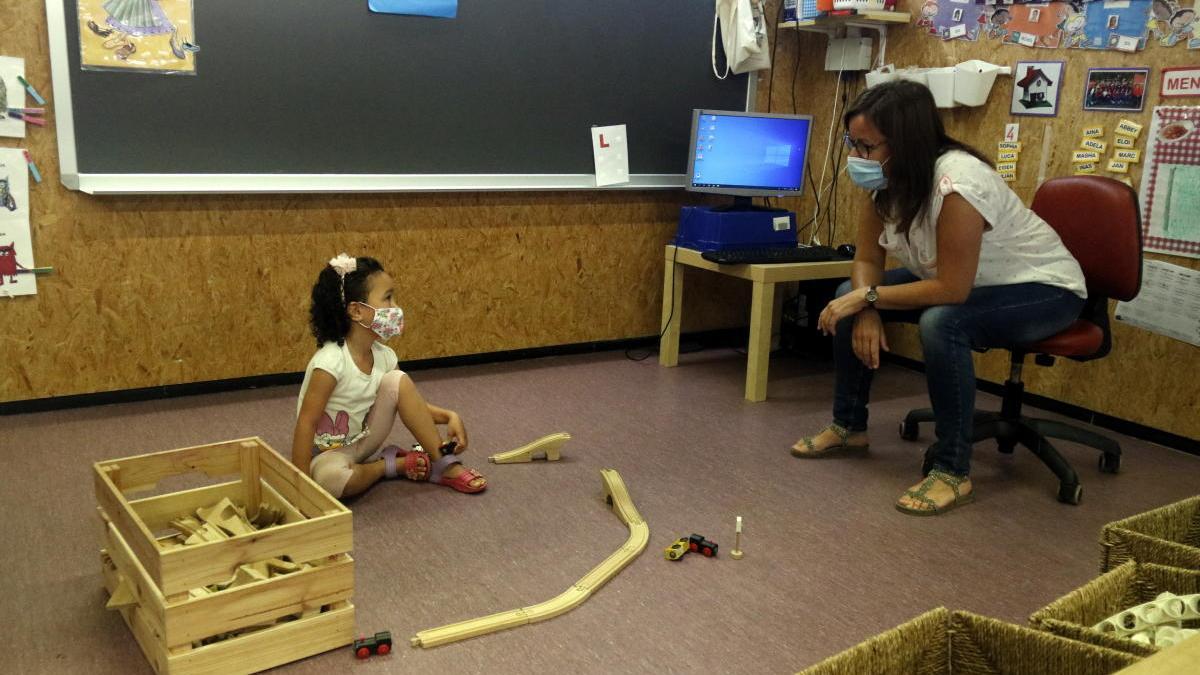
1018 246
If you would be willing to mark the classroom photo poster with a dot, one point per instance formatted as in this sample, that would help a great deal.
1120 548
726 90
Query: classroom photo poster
16 244
1116 89
147 36
12 95
1170 188
1036 88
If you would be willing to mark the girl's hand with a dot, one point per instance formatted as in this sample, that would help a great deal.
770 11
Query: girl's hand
839 308
457 431
869 338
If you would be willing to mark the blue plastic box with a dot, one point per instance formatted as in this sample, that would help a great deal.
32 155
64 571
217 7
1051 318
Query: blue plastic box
704 228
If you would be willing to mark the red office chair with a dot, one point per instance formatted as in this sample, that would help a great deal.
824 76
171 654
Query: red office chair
1099 221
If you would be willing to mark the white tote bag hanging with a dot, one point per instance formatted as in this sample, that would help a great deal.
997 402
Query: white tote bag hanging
743 34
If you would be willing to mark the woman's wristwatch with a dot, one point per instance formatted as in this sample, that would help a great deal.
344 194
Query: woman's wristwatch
872 296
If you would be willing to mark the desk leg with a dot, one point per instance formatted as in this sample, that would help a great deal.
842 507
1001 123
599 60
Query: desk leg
672 310
758 352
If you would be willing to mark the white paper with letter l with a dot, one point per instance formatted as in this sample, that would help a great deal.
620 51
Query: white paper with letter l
611 152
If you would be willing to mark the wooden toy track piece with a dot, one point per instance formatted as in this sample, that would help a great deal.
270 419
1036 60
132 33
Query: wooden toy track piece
639 534
546 446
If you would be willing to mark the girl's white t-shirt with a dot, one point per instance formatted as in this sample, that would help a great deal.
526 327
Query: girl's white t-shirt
345 417
1018 246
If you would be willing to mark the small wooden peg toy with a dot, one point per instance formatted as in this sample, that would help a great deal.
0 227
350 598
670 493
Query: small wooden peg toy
736 553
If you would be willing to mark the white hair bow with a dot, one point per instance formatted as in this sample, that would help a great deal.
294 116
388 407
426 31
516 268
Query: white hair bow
343 264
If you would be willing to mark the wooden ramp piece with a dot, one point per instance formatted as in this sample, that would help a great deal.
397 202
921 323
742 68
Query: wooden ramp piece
545 447
639 534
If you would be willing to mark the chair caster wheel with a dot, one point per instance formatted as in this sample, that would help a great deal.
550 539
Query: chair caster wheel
908 430
1110 463
1070 494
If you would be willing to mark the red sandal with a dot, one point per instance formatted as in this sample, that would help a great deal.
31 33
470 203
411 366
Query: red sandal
461 482
416 463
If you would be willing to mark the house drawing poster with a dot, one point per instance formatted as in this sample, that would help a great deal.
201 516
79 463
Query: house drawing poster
150 36
1170 187
1036 87
16 244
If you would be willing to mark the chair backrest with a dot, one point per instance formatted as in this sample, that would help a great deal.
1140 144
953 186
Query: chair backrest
1100 223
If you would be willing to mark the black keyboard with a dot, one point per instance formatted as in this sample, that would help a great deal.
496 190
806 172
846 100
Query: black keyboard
772 254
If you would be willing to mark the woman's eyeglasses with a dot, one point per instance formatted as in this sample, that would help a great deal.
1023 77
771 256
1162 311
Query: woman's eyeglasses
864 149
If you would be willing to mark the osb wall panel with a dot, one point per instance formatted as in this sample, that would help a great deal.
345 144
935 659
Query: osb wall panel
1148 379
151 291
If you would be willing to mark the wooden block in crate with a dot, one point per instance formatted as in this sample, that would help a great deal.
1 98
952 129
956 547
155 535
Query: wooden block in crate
149 582
1073 615
1169 535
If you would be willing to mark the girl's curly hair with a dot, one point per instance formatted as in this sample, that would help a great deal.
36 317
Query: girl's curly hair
328 320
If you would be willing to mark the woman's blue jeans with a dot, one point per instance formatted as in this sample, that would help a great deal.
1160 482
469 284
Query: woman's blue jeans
992 316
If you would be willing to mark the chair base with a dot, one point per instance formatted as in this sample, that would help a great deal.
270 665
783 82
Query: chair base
1011 429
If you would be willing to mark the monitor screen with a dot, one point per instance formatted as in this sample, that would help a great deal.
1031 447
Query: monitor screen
747 154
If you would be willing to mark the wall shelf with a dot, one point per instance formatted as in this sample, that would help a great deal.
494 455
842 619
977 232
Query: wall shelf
876 18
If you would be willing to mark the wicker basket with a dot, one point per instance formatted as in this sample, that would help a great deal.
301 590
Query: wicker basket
951 643
1168 536
1073 615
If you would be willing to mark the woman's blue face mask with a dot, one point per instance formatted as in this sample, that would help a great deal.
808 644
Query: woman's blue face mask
867 173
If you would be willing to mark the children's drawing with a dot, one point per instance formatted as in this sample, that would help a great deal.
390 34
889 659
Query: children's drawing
1036 85
1171 23
998 19
141 35
1074 28
12 95
8 263
16 247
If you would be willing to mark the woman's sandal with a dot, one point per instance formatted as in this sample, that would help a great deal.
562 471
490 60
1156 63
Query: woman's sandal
811 449
919 495
461 482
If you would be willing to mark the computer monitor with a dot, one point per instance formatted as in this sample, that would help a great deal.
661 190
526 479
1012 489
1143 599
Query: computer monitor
747 154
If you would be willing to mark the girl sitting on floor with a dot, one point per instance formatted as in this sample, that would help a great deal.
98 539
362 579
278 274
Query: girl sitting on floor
353 391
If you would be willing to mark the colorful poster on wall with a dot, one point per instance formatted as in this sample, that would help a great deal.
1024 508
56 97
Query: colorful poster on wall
16 245
1173 24
952 19
1103 23
12 95
1035 25
150 36
1170 193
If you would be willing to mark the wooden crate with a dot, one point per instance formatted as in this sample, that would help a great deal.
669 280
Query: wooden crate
152 580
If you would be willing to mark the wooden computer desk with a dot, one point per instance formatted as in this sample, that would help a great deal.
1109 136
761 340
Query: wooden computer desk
762 305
